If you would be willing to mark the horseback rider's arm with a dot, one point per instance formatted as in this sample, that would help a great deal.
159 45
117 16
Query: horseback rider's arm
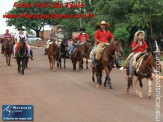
134 48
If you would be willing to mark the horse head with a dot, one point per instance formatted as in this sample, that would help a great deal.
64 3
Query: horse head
22 42
117 45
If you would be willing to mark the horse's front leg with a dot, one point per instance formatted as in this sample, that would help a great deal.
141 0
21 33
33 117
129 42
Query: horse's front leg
23 66
86 62
141 88
7 59
99 76
65 60
108 77
150 88
135 84
93 72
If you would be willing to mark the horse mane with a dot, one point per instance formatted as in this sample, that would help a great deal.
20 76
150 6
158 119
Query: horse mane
146 56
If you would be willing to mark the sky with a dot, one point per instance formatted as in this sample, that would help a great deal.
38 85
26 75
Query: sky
6 5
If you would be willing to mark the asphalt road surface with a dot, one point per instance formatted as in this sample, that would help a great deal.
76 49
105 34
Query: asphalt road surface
71 96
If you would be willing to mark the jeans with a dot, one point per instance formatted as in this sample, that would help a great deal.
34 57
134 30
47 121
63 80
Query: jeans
94 57
131 64
31 52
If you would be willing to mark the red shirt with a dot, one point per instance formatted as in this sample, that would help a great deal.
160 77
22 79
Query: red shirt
82 38
103 37
139 48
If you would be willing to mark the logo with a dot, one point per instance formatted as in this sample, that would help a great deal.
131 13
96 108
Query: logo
17 112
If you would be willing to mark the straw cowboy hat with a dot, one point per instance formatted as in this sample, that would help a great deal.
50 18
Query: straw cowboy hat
59 30
136 34
103 23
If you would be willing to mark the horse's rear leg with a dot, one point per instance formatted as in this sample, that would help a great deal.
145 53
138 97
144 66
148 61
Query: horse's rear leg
9 59
6 59
74 64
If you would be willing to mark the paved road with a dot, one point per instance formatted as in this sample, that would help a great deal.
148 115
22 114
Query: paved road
71 96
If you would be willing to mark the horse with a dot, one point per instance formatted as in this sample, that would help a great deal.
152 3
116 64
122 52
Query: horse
79 52
63 51
106 63
7 51
53 54
21 56
144 70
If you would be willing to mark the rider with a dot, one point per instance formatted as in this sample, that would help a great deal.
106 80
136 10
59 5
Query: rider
101 38
60 36
8 36
51 36
74 44
31 51
138 45
82 37
17 39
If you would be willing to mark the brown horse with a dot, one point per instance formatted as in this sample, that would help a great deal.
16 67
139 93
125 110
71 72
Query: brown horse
53 54
144 70
8 51
106 63
80 52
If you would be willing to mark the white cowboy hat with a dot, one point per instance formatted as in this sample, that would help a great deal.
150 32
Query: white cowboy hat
59 30
103 23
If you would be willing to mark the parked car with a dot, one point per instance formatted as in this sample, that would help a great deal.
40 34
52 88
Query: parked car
33 38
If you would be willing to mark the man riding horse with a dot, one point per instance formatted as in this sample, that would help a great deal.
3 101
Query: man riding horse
101 39
19 35
7 36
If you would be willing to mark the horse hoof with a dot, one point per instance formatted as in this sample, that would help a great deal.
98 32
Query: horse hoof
55 70
127 92
137 93
140 95
98 85
149 96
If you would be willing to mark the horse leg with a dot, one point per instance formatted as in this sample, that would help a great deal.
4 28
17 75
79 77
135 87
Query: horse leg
6 59
150 89
86 62
74 64
98 75
9 59
65 60
105 81
136 90
93 72
141 89
108 77
23 66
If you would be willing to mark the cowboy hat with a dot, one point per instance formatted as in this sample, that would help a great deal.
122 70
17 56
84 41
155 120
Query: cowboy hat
20 28
82 29
136 34
103 23
59 30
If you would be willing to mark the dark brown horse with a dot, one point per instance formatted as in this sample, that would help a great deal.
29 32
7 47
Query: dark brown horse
144 70
106 63
8 51
79 52
53 54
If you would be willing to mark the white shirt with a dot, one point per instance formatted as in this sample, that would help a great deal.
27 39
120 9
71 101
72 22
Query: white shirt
21 35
